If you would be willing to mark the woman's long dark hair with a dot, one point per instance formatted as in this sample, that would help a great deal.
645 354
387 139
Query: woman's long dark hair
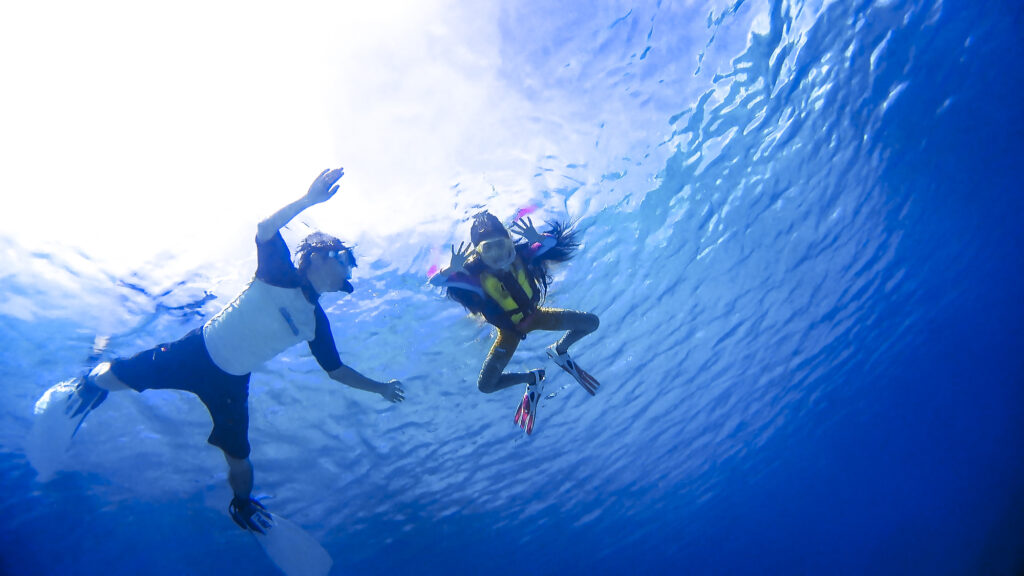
567 242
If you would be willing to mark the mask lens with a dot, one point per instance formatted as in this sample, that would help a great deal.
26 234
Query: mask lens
343 256
497 247
498 251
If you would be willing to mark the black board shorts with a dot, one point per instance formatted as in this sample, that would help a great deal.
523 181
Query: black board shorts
186 365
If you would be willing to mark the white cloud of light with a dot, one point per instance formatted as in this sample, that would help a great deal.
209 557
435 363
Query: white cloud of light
134 131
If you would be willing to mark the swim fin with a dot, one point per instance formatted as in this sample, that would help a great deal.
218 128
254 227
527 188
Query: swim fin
526 415
289 547
59 414
589 383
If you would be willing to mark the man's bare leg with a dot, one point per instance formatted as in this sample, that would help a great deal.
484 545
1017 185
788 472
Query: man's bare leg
240 476
245 510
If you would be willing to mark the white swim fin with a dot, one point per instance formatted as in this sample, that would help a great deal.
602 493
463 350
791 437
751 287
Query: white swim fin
291 548
59 413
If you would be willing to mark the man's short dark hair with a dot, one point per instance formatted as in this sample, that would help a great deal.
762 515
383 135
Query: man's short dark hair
318 242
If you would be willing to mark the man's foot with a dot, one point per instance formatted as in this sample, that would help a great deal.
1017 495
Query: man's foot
84 398
85 394
566 363
249 514
526 415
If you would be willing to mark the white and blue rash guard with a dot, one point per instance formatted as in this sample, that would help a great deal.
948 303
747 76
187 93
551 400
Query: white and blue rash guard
276 311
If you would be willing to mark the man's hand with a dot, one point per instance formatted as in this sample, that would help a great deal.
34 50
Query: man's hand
393 392
325 186
524 228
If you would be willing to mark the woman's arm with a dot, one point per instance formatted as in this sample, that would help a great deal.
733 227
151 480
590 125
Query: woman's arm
456 266
539 243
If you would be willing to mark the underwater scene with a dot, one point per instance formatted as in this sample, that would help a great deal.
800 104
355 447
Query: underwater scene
797 221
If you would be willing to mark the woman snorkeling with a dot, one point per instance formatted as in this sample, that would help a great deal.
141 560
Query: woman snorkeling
506 282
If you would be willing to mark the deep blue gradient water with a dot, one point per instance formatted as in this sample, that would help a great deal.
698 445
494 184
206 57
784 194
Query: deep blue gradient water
803 239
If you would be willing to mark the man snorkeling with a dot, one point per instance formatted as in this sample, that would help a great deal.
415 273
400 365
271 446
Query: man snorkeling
278 309
506 282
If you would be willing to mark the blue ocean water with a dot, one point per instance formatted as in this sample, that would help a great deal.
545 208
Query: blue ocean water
801 224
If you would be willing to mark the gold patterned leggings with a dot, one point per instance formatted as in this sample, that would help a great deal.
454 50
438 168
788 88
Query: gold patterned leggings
578 324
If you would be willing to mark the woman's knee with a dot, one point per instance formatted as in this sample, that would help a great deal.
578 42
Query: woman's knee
497 359
488 381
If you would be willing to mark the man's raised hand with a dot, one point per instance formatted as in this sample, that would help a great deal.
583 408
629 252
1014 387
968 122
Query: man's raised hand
325 185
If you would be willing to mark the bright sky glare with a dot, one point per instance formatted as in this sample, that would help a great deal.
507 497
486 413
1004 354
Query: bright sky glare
180 126
141 133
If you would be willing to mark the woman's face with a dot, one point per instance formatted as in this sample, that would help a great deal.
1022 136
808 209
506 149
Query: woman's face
497 253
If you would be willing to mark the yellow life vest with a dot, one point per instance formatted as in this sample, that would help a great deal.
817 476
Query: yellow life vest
497 291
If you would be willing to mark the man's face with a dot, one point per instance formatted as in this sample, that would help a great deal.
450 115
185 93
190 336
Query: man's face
330 271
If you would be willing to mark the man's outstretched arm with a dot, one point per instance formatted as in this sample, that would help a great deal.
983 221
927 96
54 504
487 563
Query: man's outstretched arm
322 189
392 391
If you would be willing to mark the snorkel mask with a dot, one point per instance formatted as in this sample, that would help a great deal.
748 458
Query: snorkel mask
347 259
492 241
497 253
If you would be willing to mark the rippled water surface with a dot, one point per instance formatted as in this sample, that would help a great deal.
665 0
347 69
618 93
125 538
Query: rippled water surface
801 225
